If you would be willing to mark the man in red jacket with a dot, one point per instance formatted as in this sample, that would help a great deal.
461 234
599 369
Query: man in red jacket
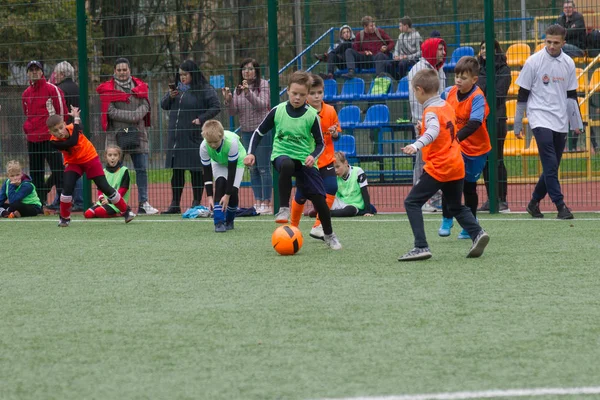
371 46
40 100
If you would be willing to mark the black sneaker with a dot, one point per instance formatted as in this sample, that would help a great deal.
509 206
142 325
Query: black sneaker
503 207
564 213
416 254
479 244
128 215
220 227
485 206
228 226
172 210
64 222
533 208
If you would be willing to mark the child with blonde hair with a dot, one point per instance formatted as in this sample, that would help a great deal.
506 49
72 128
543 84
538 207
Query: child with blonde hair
117 176
18 197
352 197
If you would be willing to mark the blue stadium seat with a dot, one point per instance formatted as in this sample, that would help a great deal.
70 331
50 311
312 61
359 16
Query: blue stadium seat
349 116
456 55
402 90
351 90
345 144
377 96
330 89
377 116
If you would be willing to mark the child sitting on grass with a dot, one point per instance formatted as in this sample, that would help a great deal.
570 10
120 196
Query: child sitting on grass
18 197
352 197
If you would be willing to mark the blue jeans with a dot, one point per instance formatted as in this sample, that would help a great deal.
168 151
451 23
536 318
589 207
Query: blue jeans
261 178
551 145
140 164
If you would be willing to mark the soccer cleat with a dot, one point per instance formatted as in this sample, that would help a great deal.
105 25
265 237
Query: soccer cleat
445 227
332 241
14 214
220 227
428 208
479 244
563 213
283 216
317 232
485 206
416 254
128 215
533 208
503 207
266 210
146 208
464 235
64 222
229 226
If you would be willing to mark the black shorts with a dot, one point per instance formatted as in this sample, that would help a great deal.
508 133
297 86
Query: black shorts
308 180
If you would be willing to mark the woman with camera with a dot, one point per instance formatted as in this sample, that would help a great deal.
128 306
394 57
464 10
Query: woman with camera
191 101
250 101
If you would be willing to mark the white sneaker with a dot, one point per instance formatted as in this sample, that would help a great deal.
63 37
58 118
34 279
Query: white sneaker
146 208
332 241
266 210
283 216
428 208
317 232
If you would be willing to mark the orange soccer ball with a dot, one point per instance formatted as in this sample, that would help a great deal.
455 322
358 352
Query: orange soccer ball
287 240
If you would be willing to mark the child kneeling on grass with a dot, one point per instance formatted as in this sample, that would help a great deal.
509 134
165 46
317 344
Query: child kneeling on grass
18 197
352 197
117 176
222 157
444 169
80 156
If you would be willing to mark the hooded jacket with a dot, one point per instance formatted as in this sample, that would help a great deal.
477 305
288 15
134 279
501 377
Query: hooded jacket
342 41
41 100
502 79
428 61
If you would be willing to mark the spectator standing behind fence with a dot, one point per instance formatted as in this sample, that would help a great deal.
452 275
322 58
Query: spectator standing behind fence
574 23
336 56
372 46
407 51
502 80
125 108
190 103
433 55
250 101
64 75
41 100
548 91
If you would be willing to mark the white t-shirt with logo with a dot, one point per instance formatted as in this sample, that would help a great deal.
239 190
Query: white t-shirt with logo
548 79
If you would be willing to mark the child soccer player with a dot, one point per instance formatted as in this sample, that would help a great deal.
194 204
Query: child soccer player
297 144
223 151
444 169
80 156
330 127
352 197
117 176
471 109
18 197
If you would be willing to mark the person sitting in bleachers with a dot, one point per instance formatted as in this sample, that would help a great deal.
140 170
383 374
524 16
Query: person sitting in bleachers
574 23
336 56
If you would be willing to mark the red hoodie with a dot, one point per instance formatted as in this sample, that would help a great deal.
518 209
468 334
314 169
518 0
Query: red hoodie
429 51
39 100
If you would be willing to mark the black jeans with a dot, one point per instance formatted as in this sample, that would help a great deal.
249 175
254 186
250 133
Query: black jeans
40 152
26 210
426 187
551 145
353 58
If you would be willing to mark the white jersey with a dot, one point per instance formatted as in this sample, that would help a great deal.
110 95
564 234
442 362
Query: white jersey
548 79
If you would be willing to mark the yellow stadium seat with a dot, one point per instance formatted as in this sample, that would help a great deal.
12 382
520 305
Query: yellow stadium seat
532 150
517 54
581 80
513 90
539 47
512 145
580 60
595 81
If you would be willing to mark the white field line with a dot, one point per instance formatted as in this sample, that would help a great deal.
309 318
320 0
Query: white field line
486 394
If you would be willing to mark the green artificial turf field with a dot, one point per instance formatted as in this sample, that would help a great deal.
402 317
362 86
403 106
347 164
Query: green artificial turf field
167 309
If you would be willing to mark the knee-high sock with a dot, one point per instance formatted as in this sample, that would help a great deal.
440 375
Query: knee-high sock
118 201
230 214
66 202
218 216
329 198
296 212
471 197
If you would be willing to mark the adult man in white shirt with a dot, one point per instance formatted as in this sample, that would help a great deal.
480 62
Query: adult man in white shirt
548 91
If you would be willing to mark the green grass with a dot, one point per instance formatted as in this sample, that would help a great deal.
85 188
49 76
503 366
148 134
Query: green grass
171 310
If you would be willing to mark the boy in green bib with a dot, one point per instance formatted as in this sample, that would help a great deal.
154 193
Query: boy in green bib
222 157
297 144
18 197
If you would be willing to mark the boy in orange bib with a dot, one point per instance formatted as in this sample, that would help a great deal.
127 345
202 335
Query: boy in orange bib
80 156
444 169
